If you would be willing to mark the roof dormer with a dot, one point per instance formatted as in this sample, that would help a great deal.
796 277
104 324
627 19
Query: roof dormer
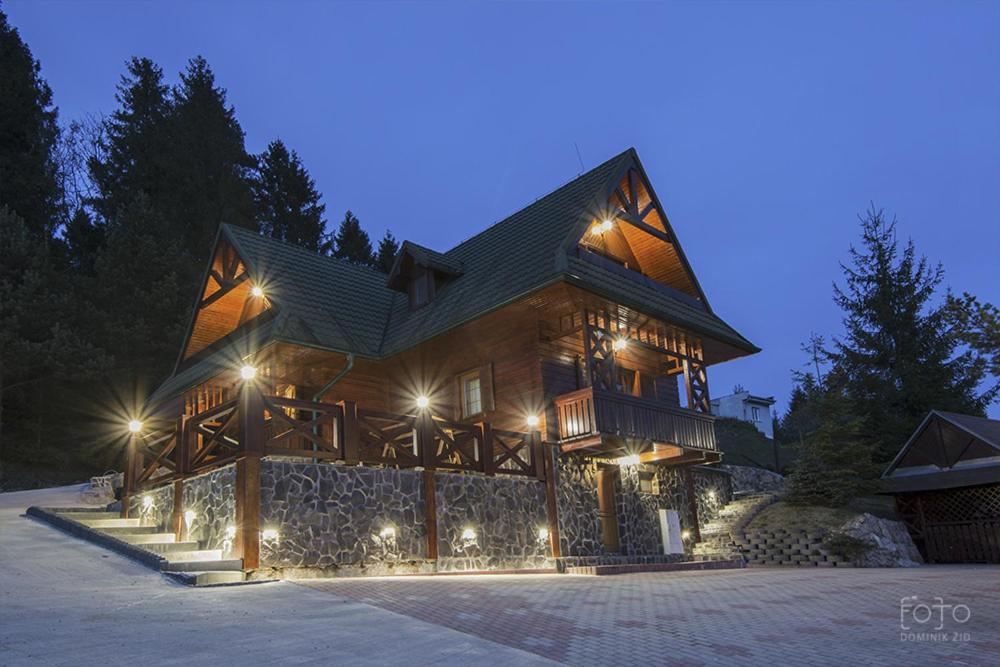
421 272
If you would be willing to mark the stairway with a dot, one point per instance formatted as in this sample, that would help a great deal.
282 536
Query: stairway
722 538
186 562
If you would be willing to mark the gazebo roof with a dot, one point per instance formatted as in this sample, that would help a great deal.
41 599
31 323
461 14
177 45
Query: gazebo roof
947 450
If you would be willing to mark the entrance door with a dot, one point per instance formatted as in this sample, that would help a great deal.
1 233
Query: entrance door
606 508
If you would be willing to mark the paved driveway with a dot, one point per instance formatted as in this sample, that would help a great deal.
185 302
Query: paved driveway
771 617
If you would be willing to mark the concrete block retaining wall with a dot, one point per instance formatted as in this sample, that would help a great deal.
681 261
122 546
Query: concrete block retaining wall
784 547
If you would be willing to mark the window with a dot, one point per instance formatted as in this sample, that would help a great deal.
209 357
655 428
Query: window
755 413
472 394
420 290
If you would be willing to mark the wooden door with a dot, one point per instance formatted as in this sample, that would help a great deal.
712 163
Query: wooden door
606 509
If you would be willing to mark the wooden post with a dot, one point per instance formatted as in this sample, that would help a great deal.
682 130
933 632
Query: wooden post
430 514
537 455
247 543
551 505
607 511
351 432
692 503
128 483
182 451
486 451
178 517
425 440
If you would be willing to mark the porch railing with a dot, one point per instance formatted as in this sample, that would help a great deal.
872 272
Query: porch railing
586 412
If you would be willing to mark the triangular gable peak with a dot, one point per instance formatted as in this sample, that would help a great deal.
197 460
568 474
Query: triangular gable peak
944 441
630 229
229 299
420 271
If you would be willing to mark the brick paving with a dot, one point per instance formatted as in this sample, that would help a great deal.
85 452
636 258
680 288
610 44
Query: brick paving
775 616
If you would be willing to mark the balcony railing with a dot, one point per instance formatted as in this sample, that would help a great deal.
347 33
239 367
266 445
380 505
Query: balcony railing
586 413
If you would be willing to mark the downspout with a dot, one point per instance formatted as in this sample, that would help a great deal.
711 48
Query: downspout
329 385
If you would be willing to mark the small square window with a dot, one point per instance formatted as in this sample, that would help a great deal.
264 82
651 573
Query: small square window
472 394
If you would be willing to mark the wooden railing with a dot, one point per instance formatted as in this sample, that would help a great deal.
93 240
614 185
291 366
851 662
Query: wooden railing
586 413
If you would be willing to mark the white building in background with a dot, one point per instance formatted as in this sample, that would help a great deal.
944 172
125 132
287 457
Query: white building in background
746 407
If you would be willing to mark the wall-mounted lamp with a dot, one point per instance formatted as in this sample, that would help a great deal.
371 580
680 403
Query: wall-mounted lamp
387 533
630 460
619 344
423 402
256 291
134 426
248 372
543 534
147 502
189 516
532 420
468 535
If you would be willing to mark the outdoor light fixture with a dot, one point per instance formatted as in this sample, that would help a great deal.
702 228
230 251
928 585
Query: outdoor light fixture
619 344
423 402
387 533
248 372
468 535
147 502
256 291
543 534
630 460
189 516
685 534
269 534
134 426
230 532
532 420
605 226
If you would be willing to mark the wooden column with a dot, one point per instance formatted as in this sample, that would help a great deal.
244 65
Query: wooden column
182 448
177 520
537 454
128 483
607 512
551 505
350 432
486 451
430 514
692 503
247 542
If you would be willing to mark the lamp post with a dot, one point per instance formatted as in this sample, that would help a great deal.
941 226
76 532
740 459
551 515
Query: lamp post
131 461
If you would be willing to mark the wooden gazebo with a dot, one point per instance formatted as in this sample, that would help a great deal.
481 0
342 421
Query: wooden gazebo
946 481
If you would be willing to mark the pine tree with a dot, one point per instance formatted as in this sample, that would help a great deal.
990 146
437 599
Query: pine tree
352 243
899 359
29 134
135 148
210 175
83 240
388 247
287 199
977 325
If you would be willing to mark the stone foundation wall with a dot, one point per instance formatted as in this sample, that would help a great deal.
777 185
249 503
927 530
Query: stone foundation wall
334 516
713 488
638 514
491 523
159 512
576 500
212 499
754 480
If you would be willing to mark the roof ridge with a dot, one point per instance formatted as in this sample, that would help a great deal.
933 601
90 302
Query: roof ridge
302 249
630 149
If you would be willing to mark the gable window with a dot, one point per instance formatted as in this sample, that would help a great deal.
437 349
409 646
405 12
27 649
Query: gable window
755 413
471 387
420 290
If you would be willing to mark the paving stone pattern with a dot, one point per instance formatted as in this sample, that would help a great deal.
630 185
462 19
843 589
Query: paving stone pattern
766 616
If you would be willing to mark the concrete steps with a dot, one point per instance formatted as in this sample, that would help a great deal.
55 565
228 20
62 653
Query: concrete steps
722 538
183 561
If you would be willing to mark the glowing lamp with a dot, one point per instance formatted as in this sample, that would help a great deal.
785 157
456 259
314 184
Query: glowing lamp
468 534
387 533
631 460
685 534
189 516
543 534
269 534
532 420
230 532
619 344
256 291
147 502
134 426
248 372
423 402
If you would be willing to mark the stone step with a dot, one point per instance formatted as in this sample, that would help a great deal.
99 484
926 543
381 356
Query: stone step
201 555
134 530
110 523
683 566
231 565
79 516
203 578
168 548
143 539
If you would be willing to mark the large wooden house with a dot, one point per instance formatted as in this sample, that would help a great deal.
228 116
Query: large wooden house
537 392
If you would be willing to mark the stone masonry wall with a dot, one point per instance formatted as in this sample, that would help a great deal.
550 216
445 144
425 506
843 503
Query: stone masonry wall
159 511
576 500
491 523
212 499
713 489
332 516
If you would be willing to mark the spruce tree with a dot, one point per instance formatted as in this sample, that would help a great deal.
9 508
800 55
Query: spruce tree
388 247
352 243
287 200
29 134
898 359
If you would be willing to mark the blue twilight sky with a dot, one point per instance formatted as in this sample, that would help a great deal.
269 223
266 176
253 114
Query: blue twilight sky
765 127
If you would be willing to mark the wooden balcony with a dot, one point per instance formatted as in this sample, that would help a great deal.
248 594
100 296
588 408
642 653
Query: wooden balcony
589 415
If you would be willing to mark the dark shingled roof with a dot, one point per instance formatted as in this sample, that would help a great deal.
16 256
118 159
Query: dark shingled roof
340 306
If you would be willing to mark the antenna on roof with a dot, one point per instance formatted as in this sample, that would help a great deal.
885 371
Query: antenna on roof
582 168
